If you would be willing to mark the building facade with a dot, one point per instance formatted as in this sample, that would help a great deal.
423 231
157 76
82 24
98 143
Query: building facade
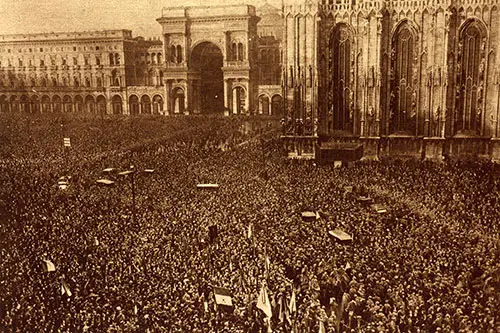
402 78
94 71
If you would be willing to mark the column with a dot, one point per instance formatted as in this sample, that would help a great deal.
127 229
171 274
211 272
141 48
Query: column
227 91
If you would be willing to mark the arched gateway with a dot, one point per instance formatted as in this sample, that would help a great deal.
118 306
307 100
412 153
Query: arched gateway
207 62
201 61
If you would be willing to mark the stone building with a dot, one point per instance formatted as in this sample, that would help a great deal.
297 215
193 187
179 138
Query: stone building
402 77
94 71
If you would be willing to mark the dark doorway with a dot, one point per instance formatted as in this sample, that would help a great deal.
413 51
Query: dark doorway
207 59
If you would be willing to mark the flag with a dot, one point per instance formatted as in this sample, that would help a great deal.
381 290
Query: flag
49 266
321 327
67 142
249 233
263 303
65 289
292 306
223 298
282 308
267 263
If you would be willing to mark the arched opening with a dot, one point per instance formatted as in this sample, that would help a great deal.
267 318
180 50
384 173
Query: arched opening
14 104
133 104
115 78
99 82
101 105
157 104
117 59
87 82
45 104
160 58
57 104
90 104
111 59
178 100
24 104
276 105
173 54
116 101
403 95
240 52
78 103
67 104
239 100
179 54
4 104
35 104
470 69
263 105
207 59
234 52
146 104
340 101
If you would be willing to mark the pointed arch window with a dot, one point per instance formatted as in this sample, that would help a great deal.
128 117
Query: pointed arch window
403 92
340 97
470 78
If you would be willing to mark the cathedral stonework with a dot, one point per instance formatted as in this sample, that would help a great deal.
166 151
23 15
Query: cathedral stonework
402 78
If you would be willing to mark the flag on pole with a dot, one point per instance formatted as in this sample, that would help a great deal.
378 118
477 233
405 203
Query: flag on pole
267 263
292 306
223 298
321 327
263 302
65 289
49 266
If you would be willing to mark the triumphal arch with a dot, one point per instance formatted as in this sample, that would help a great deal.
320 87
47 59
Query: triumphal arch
209 58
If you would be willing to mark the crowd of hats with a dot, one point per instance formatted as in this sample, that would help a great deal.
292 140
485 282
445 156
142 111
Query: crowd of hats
74 260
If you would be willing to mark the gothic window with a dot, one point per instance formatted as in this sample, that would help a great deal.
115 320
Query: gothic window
117 59
340 93
402 99
111 59
470 79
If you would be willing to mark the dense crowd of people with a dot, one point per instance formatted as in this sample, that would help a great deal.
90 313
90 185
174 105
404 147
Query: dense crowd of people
431 263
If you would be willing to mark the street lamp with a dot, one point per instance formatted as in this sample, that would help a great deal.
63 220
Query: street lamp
131 172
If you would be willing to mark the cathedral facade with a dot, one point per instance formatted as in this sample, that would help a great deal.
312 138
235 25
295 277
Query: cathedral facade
402 78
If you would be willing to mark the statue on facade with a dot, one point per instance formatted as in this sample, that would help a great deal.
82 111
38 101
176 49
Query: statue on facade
371 77
437 81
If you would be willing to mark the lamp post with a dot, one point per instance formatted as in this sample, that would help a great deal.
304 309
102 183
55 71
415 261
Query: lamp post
131 172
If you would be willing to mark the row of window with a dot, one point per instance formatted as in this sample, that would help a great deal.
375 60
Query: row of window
149 58
35 104
57 49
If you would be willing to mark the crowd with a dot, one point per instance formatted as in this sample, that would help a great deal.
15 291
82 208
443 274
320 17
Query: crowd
431 263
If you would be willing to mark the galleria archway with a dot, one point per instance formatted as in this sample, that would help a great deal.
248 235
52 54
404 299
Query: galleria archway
207 59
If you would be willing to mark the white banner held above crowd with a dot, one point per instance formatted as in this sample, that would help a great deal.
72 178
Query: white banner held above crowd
223 298
67 142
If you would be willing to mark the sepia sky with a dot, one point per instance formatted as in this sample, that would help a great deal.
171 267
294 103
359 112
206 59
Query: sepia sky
30 16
